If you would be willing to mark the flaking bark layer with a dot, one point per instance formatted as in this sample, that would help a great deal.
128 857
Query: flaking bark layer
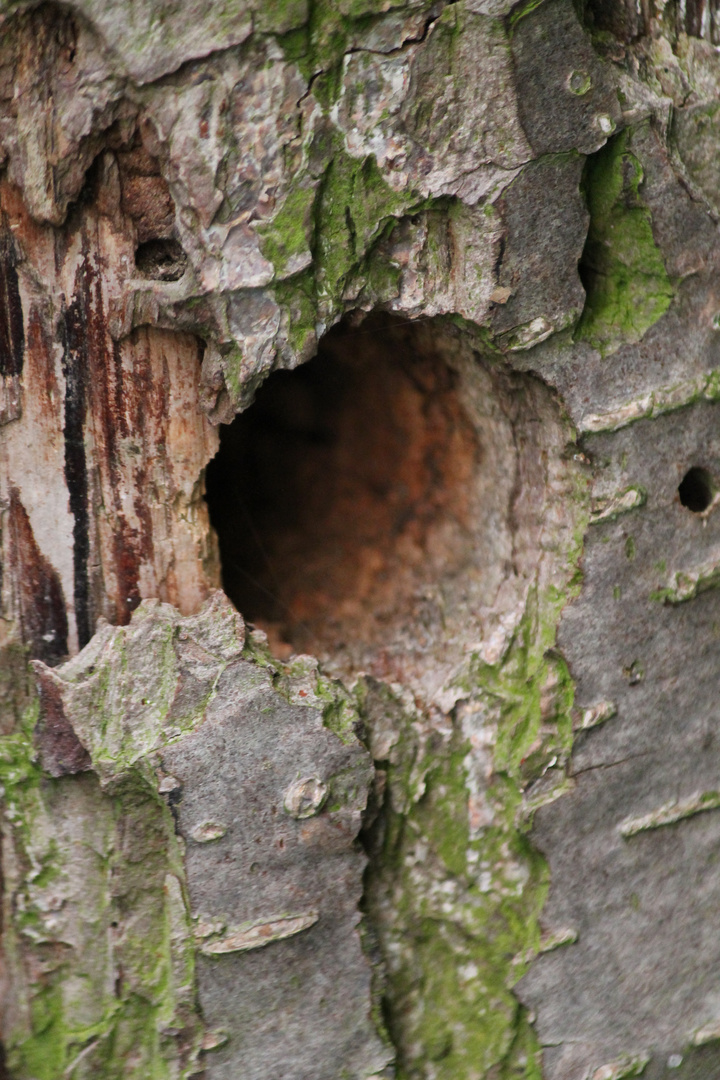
190 200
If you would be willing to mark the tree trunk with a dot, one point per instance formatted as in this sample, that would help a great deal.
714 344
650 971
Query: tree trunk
359 471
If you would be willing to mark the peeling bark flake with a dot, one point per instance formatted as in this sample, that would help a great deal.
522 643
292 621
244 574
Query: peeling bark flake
43 615
60 751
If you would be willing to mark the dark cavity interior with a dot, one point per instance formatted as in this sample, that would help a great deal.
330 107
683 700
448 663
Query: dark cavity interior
344 489
696 490
161 259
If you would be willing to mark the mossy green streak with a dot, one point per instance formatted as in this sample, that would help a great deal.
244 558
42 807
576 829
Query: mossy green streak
627 285
112 859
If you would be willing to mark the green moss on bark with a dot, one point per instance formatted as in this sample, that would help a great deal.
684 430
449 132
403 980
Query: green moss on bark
354 205
627 285
97 939
455 889
457 914
318 46
286 240
343 220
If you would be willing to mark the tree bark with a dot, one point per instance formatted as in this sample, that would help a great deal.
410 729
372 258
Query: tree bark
359 473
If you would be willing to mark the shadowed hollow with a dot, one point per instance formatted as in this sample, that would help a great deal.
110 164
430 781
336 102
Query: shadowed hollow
343 487
373 505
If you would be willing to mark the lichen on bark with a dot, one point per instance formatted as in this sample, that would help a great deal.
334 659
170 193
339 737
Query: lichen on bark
109 905
406 189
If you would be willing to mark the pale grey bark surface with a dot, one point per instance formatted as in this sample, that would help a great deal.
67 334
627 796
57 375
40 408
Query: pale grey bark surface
440 802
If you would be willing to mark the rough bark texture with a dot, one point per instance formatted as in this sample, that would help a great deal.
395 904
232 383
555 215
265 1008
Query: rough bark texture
448 809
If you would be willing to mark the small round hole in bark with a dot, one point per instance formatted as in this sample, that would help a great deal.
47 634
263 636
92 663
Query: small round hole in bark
696 489
163 260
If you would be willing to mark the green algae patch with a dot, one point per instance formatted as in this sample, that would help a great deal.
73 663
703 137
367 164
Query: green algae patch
455 888
521 10
627 285
98 939
285 241
442 812
534 696
296 298
302 683
324 244
283 17
354 205
326 34
455 912
44 1053
455 906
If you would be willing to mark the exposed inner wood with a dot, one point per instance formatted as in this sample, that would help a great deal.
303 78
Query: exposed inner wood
104 445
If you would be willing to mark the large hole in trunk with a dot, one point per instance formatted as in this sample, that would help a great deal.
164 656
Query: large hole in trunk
366 504
343 488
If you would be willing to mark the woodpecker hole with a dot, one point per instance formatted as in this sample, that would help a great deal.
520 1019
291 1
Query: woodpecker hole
341 487
370 504
162 260
696 490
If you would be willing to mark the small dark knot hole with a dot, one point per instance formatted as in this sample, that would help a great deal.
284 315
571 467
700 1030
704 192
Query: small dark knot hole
163 260
696 489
